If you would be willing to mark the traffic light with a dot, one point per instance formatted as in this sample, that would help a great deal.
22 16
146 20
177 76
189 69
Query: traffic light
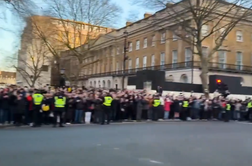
222 88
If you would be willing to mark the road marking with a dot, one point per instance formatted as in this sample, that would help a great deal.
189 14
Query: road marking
245 123
116 148
98 144
151 161
155 162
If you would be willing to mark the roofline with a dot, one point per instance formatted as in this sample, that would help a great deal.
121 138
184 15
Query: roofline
151 15
67 20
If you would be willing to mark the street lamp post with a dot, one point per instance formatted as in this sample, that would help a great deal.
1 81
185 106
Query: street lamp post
62 79
125 33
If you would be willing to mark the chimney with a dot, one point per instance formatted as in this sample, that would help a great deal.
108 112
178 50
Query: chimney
146 15
128 23
169 4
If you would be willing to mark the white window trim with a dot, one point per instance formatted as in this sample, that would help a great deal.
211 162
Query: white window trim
137 44
174 37
137 64
174 64
145 43
207 30
152 61
222 65
221 33
129 64
188 58
163 37
144 62
238 34
130 46
241 65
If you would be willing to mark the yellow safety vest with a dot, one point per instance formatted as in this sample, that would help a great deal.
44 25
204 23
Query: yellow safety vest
37 98
249 105
60 103
156 103
185 104
107 101
228 107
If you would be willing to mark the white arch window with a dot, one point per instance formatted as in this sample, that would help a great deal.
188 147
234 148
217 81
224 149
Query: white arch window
170 78
103 84
109 84
184 78
95 84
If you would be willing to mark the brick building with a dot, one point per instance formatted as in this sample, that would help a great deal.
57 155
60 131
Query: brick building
157 47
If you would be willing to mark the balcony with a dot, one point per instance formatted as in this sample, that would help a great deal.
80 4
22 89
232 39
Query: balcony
218 67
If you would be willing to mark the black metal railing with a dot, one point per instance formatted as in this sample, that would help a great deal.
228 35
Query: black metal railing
177 66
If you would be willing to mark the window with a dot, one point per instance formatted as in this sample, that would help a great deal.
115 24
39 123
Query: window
153 42
222 59
184 78
239 60
129 65
169 78
145 43
117 50
163 38
205 51
174 37
174 58
44 68
188 57
137 45
137 63
222 32
239 36
144 62
130 46
117 67
204 30
152 61
162 61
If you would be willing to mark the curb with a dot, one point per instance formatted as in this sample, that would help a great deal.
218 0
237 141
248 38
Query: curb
112 123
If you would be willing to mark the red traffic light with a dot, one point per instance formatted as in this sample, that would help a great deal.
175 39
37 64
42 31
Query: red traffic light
218 81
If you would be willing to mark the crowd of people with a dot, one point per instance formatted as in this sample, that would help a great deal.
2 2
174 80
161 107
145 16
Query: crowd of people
23 106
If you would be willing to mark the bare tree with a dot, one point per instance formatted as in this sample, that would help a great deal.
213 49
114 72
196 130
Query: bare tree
21 7
31 65
190 17
133 16
66 31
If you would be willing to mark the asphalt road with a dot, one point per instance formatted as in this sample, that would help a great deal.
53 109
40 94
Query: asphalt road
168 144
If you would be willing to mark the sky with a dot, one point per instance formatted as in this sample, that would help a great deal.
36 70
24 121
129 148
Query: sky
9 40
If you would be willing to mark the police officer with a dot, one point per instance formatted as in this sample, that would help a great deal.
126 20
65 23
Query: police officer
249 106
59 108
106 108
184 111
37 103
156 107
227 112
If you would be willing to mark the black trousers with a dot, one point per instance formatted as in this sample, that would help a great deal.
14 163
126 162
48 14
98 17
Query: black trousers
46 118
18 118
155 113
58 113
36 116
105 113
227 116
